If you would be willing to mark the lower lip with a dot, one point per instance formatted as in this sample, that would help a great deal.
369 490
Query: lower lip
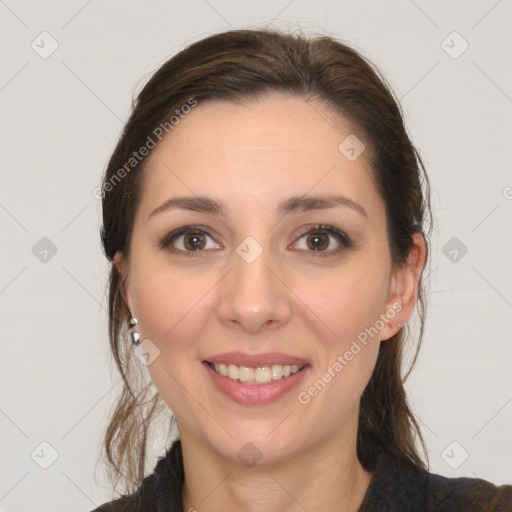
256 394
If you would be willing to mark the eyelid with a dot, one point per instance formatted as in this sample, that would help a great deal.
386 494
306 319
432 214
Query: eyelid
325 228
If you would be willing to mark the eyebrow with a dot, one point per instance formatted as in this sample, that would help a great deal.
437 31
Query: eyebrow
295 204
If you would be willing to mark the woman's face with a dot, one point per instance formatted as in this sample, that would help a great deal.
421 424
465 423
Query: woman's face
246 288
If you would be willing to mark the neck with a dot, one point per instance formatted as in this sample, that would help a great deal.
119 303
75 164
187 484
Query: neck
326 477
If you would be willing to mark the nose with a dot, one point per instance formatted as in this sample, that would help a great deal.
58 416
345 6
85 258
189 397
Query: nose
254 295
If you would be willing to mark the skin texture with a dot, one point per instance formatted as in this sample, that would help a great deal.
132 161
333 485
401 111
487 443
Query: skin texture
291 299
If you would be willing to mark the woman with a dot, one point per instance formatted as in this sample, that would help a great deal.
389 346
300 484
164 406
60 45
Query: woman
266 216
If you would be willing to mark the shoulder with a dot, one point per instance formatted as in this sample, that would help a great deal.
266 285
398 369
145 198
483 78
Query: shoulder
469 494
160 488
397 485
125 504
145 498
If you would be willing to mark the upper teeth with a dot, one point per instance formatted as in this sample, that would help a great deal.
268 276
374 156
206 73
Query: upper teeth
261 374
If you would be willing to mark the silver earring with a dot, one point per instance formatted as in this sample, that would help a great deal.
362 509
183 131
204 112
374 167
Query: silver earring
133 333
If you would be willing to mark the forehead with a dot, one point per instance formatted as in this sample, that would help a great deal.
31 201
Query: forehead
259 152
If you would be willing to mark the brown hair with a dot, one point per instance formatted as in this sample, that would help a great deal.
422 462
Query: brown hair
242 65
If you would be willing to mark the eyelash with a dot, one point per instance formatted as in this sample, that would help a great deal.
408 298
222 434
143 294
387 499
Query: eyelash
341 237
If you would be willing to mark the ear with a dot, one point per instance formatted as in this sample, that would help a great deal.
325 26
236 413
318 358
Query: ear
122 267
403 288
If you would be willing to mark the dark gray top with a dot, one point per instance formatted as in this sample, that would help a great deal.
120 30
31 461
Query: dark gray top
394 487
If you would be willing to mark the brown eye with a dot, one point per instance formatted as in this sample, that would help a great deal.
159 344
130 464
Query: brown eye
319 240
194 241
188 241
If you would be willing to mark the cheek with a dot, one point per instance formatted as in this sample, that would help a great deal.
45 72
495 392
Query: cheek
172 311
345 303
347 350
172 306
173 316
346 308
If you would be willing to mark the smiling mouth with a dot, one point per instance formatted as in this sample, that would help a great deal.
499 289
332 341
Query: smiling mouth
256 376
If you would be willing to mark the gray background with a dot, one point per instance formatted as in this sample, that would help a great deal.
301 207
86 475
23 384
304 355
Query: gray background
61 116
